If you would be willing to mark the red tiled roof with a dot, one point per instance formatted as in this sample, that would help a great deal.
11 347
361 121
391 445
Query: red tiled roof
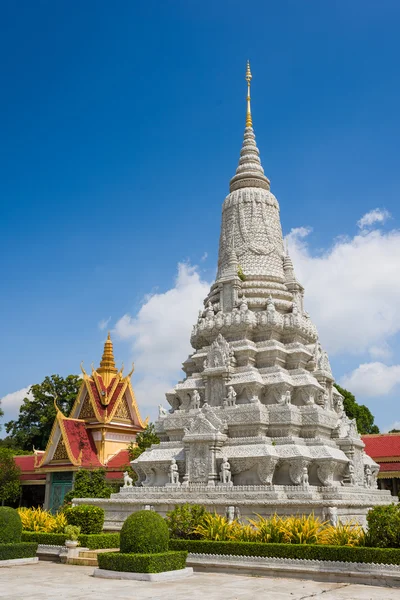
26 462
114 475
382 445
80 443
105 410
392 466
119 460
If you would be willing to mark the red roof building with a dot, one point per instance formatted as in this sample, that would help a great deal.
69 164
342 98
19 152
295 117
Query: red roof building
104 420
384 448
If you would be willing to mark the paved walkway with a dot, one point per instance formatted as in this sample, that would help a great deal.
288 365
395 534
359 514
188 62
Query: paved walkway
52 581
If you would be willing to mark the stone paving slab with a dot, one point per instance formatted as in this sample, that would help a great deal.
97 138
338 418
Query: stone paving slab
54 581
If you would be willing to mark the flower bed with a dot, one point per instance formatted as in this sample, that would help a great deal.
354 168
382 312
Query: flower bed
360 554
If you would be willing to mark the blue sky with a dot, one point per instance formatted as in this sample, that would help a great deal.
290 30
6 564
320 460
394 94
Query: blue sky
121 125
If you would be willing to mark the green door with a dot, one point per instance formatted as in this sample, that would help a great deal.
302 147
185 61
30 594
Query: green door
61 483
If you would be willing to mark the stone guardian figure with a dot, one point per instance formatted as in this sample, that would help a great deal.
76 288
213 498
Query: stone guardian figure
225 474
173 472
127 480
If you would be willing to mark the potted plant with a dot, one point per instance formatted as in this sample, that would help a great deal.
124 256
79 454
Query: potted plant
72 531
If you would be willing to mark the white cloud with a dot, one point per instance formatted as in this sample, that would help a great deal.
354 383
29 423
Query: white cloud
103 323
352 290
372 379
395 425
160 334
204 257
10 404
372 217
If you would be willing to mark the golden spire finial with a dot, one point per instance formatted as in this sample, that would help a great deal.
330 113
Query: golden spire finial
107 364
249 122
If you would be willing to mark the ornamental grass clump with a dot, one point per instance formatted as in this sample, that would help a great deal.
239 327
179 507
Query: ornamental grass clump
268 529
38 520
343 534
216 527
302 529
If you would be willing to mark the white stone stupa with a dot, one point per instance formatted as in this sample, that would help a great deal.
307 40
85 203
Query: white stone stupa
256 426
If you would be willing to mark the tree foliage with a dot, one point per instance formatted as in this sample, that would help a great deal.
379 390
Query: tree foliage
37 413
363 416
144 440
10 487
90 484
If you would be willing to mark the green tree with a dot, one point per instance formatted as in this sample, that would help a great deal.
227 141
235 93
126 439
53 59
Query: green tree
394 431
363 416
144 439
37 414
10 487
90 484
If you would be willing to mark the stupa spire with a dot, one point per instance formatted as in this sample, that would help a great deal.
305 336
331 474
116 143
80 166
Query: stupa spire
249 122
249 172
107 364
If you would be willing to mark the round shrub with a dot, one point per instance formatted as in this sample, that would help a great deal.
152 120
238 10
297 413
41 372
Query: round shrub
144 532
10 525
89 518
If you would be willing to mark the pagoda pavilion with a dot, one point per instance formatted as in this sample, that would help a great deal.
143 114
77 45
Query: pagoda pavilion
104 420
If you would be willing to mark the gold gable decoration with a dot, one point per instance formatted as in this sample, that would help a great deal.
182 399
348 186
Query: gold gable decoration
87 411
61 451
123 411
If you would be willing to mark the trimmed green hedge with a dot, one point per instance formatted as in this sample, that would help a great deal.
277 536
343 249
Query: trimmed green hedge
98 541
10 525
389 556
143 563
95 541
144 532
17 550
89 518
51 539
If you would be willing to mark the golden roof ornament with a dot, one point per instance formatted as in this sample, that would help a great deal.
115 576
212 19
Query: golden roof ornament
107 367
249 122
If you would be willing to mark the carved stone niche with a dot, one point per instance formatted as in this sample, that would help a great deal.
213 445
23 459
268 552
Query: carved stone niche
296 470
277 394
305 395
203 440
326 471
217 370
253 470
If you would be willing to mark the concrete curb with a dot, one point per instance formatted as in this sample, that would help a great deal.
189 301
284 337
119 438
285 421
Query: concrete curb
317 570
18 561
152 577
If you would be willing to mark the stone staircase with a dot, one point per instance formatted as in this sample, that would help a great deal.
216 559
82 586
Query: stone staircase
88 558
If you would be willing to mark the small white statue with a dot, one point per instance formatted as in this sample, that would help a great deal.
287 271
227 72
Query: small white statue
127 480
231 398
173 472
367 476
352 476
304 477
330 514
162 412
287 397
195 400
225 474
230 513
